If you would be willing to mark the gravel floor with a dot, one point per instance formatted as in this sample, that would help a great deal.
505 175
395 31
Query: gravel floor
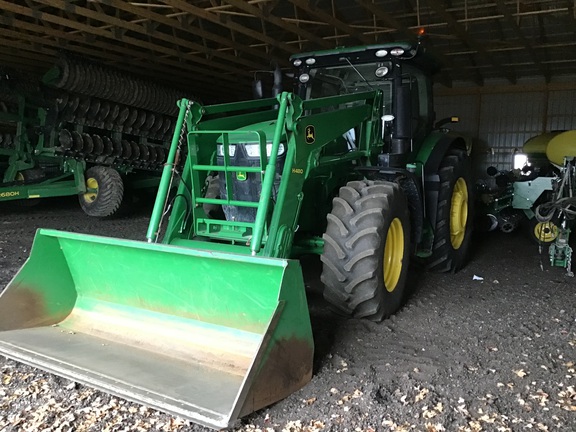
497 354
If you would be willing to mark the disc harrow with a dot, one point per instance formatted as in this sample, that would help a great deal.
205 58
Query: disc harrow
101 114
104 150
85 78
79 117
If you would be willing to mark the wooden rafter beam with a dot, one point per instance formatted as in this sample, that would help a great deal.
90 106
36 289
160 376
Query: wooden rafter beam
171 41
193 30
43 62
460 31
113 45
300 32
478 78
388 19
229 24
332 20
52 46
198 43
113 53
527 45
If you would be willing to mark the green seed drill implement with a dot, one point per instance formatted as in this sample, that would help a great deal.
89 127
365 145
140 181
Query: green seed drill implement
208 319
86 130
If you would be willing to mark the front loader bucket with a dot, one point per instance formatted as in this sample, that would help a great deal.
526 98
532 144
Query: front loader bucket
209 336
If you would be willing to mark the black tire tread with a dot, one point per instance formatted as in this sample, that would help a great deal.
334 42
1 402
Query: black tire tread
110 192
456 164
352 249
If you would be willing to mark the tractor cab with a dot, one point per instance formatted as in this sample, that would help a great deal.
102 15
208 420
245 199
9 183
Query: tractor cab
401 72
401 75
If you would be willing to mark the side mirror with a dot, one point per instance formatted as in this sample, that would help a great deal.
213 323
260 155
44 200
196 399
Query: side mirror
387 118
257 89
277 87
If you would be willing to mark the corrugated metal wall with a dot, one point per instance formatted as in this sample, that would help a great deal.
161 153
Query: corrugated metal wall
500 123
561 110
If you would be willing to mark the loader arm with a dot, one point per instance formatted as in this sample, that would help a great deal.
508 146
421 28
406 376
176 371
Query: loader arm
304 127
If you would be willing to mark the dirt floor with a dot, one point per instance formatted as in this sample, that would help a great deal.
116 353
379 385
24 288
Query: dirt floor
497 354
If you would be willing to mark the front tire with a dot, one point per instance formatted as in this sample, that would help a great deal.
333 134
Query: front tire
107 191
366 250
453 231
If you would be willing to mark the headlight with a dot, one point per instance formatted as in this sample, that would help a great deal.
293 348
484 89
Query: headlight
381 53
304 78
381 71
297 62
397 51
220 150
253 150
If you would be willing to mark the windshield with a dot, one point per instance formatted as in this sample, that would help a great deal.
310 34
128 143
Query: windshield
345 79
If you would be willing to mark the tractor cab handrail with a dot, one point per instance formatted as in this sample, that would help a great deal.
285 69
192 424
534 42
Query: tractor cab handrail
227 168
202 158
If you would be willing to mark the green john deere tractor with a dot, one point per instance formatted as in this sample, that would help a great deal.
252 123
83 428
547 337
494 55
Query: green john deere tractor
208 319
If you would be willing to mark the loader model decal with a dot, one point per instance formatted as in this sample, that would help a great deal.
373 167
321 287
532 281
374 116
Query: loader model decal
9 194
310 134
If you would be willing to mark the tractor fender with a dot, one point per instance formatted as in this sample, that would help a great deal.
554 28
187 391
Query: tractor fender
430 157
413 191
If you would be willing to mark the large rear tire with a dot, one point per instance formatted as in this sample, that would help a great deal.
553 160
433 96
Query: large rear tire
107 191
453 232
366 250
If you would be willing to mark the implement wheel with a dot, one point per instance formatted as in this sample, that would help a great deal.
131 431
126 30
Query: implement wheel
453 232
542 232
29 176
366 250
104 194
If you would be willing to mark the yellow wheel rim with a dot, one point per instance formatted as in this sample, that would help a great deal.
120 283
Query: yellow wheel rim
545 231
19 176
393 255
90 197
458 213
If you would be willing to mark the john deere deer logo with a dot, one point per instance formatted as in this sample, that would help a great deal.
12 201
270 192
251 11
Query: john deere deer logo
310 134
